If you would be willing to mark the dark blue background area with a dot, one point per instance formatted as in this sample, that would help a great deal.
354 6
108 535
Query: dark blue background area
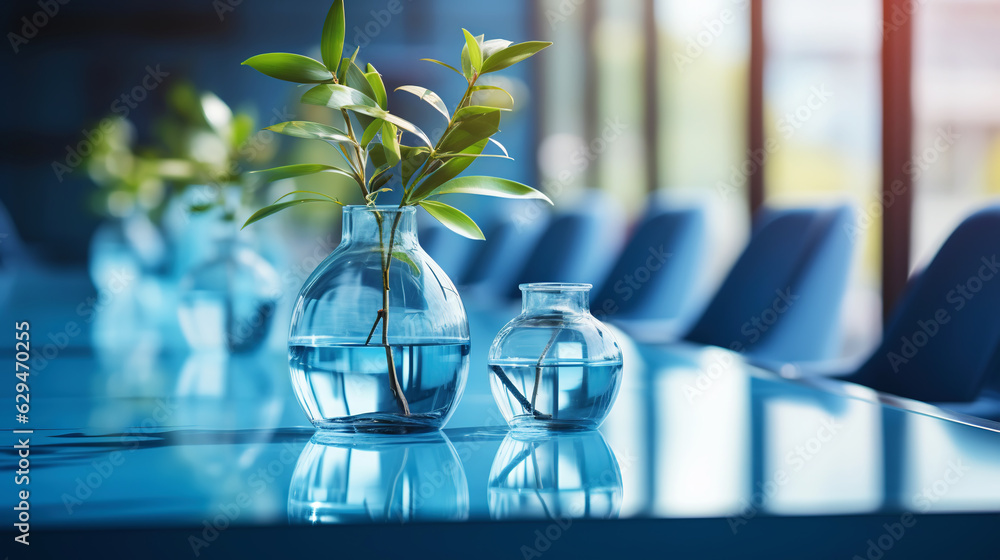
66 78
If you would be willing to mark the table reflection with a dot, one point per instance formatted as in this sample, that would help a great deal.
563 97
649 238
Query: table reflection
573 475
359 478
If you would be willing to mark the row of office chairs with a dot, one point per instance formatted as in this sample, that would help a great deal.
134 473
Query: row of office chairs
780 302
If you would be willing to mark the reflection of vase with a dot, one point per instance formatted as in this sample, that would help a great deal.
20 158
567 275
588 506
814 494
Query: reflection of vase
360 478
228 301
554 366
339 346
572 475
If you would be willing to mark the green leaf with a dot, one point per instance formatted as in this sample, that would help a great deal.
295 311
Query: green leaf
376 152
412 160
379 182
453 219
475 51
290 67
297 170
243 129
336 96
433 99
512 55
499 145
499 89
404 258
370 132
380 113
448 66
448 171
332 44
278 207
470 125
391 144
381 171
311 130
378 86
356 78
493 46
489 186
345 67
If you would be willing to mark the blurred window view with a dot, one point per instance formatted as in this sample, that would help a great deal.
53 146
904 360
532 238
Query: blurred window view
822 122
703 63
956 101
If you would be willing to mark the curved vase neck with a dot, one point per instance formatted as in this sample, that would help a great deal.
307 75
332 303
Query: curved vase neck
368 224
544 298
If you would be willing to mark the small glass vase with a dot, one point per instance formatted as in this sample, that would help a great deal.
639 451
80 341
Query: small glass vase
555 367
228 301
366 358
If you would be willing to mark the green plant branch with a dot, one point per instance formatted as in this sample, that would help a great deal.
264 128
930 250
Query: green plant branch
432 157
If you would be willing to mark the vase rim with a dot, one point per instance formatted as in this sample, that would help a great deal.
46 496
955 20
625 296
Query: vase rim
387 208
555 287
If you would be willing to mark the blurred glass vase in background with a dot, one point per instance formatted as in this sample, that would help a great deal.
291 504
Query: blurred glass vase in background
554 366
557 477
365 358
228 301
361 478
125 248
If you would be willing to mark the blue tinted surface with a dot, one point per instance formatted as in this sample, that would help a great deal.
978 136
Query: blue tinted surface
147 435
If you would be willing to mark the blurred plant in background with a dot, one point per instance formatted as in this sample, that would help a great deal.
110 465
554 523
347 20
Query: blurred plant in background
171 208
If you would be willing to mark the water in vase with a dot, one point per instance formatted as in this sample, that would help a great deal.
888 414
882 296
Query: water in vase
564 395
346 384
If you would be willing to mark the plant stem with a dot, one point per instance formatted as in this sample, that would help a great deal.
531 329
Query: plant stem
359 168
386 260
538 365
502 375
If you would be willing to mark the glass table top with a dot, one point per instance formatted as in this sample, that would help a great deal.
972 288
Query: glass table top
144 434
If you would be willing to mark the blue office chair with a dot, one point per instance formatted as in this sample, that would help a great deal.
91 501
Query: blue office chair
943 344
654 278
577 246
496 263
781 300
